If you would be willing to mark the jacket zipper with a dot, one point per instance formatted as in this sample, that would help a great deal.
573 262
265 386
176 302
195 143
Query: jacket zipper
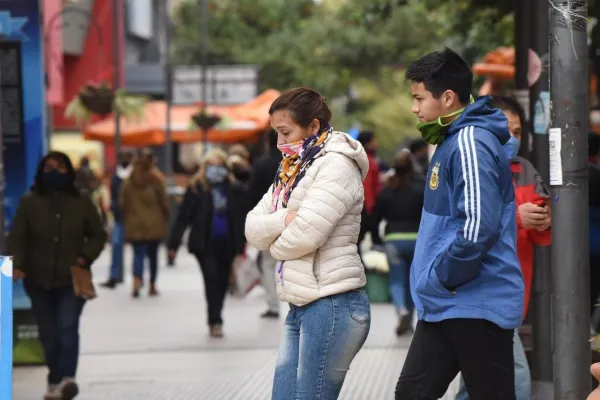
58 223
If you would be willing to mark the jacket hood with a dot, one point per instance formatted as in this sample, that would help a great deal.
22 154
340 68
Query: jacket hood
481 114
38 185
343 143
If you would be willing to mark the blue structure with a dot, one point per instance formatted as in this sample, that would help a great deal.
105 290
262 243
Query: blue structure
24 142
24 145
6 327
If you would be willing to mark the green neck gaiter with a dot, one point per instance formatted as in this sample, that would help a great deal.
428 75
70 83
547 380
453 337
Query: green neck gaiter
434 132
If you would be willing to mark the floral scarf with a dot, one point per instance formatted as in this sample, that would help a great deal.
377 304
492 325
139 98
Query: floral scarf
293 168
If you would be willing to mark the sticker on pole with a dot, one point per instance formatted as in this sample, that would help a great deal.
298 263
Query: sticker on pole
554 141
541 118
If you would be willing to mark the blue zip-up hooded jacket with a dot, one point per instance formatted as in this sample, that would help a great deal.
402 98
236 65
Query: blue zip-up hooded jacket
465 263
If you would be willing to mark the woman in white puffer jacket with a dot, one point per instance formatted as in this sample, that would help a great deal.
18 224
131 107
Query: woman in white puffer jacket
309 220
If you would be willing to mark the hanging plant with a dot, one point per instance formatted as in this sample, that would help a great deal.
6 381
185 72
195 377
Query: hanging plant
204 121
222 124
102 100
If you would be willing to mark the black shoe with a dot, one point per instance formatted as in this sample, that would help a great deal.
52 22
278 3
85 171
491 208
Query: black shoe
68 389
110 284
404 324
270 314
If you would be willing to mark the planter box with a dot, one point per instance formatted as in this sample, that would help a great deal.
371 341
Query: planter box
378 287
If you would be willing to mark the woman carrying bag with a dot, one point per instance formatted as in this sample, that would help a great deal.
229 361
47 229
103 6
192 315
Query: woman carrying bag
56 235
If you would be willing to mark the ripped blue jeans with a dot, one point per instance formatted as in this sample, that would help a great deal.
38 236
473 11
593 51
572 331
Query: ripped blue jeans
319 342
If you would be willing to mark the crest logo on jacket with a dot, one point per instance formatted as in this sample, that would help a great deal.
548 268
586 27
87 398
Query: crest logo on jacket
434 180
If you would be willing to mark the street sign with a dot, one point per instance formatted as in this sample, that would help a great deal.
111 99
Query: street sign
226 84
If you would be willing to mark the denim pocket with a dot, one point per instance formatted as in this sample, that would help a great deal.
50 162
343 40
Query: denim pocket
360 309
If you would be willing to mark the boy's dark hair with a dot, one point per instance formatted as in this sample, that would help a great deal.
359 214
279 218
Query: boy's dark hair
507 103
440 71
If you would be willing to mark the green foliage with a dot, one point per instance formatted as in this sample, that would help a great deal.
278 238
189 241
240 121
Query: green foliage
335 45
129 106
386 107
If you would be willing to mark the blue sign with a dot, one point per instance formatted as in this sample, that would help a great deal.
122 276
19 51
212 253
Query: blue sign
23 93
6 327
12 27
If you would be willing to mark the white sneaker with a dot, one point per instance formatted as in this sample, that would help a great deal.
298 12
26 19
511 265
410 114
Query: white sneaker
52 393
68 389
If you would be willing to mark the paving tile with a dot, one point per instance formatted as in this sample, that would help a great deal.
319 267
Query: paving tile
159 348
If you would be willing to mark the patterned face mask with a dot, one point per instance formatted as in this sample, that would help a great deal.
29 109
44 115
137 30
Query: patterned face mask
290 149
293 167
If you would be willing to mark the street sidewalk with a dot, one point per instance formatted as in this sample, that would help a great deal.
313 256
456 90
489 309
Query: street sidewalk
159 348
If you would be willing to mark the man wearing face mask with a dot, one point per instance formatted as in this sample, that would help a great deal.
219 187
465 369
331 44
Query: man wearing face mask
533 229
123 171
465 278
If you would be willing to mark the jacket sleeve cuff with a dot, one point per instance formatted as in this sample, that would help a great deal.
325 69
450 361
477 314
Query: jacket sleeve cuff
83 261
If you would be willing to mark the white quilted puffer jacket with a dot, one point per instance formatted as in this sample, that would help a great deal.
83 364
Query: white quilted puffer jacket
319 247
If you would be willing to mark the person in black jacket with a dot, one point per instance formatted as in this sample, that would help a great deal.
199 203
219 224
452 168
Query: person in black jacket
263 175
215 208
124 168
57 233
400 205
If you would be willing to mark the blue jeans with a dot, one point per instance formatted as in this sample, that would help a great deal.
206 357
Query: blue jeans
399 255
319 342
522 375
118 243
141 250
57 313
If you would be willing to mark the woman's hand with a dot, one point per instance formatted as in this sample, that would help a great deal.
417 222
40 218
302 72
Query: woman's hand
595 369
289 217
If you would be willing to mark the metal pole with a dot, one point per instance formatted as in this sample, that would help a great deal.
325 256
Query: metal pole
204 54
117 69
541 296
522 44
569 180
168 95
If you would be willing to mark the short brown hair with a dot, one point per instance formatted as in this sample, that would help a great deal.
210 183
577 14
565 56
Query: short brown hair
304 106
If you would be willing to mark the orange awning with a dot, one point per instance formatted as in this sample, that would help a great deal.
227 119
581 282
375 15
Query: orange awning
240 123
499 63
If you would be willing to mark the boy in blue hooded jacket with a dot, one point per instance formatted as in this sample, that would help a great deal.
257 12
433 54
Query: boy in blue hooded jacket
466 280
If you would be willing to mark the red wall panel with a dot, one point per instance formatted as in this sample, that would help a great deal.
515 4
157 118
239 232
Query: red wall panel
96 63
